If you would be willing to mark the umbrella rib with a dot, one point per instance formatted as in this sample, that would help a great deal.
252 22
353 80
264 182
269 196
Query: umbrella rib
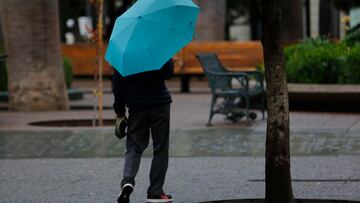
148 47
121 30
168 27
157 10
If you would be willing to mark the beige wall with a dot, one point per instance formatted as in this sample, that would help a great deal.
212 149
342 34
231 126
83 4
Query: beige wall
314 17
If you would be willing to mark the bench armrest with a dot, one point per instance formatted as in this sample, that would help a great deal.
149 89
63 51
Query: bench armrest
230 74
242 78
257 75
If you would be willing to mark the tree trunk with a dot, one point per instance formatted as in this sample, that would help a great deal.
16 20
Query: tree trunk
277 172
292 20
32 42
211 23
329 19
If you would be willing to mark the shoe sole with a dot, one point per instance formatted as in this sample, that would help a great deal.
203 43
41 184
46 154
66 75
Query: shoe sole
125 193
159 200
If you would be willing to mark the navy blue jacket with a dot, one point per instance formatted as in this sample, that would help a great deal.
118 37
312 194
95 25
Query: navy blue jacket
142 90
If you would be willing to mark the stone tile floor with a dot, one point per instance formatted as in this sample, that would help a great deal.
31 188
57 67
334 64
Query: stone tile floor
72 164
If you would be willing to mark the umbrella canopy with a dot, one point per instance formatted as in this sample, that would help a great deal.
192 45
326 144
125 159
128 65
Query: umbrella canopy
150 33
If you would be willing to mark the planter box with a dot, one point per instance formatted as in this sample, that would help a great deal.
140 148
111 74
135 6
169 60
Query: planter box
325 96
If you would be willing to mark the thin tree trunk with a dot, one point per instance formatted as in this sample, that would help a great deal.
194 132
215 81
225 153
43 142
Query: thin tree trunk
32 42
211 23
277 171
100 59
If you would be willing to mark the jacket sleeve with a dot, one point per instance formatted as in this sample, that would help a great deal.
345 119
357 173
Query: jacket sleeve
118 90
167 71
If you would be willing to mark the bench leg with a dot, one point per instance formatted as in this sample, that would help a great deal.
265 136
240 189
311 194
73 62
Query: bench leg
185 83
263 105
247 110
213 100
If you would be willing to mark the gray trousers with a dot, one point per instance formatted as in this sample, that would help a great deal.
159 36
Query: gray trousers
142 123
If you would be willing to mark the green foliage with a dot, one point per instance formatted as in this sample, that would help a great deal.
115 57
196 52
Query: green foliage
313 61
320 61
261 68
67 73
350 73
353 36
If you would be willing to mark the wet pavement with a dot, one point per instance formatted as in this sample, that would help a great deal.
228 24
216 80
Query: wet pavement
213 142
188 180
226 161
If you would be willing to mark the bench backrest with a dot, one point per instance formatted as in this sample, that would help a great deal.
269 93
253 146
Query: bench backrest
237 56
211 66
210 62
83 58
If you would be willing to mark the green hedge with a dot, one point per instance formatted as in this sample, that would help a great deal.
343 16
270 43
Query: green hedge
353 36
67 73
350 72
321 61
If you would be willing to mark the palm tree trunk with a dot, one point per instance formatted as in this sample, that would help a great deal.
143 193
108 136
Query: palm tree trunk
32 43
277 170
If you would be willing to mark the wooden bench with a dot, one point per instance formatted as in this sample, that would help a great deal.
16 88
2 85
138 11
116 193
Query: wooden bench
83 58
237 56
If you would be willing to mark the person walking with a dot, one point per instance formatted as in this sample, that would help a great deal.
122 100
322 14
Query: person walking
148 101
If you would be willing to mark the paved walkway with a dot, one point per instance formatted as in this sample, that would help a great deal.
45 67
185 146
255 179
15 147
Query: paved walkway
63 164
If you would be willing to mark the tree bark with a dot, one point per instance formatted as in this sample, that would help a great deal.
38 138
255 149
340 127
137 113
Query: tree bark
292 20
277 172
32 42
211 23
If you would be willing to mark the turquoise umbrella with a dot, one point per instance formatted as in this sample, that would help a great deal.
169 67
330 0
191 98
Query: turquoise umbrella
150 33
